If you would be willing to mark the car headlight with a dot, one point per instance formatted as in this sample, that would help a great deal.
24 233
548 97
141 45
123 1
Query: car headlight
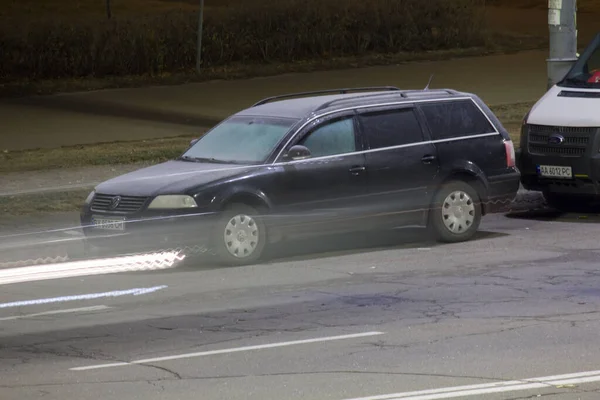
88 200
173 201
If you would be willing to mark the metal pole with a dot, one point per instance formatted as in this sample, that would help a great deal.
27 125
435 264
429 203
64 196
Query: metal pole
199 40
562 25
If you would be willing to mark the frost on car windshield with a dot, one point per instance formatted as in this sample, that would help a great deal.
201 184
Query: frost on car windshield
586 71
241 139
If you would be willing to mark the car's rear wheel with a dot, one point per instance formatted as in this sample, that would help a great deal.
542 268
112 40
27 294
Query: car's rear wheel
240 235
456 212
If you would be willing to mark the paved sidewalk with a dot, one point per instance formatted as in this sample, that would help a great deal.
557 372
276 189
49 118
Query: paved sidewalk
153 112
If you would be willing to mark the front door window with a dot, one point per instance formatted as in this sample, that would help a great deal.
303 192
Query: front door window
333 138
586 71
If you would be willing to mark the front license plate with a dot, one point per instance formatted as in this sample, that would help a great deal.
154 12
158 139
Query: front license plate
555 171
110 224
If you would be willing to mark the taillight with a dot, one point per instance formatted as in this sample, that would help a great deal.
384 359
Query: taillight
510 154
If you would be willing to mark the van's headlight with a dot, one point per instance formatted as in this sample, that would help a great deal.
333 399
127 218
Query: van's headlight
88 200
173 201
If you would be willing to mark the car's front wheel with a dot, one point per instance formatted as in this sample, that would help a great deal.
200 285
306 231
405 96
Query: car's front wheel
456 212
240 236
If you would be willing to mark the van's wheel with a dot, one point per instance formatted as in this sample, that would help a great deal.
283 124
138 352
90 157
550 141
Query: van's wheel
240 235
456 212
565 203
559 202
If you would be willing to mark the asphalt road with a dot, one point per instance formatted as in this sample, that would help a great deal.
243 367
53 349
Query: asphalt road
359 316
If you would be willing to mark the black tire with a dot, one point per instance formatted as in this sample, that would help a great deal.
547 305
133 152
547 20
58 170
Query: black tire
254 232
464 227
557 201
565 203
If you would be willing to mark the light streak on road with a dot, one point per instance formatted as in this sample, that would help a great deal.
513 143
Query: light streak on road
132 263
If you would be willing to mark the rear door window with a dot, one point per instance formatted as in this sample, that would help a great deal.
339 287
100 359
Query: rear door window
391 128
452 119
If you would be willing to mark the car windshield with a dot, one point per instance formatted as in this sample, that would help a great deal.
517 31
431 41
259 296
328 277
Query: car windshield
240 140
586 71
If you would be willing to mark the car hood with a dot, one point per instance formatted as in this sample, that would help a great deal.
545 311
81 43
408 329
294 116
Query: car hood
556 110
169 177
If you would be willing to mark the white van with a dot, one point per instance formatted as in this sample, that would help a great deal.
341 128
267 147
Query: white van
560 136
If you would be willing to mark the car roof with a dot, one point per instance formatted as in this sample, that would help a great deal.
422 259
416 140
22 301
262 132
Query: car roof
321 104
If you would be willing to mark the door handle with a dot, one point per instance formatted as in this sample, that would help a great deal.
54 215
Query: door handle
428 159
357 170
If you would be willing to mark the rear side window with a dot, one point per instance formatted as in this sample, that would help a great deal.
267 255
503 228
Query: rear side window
391 128
452 119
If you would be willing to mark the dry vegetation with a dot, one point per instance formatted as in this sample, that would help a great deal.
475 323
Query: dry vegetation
63 9
582 5
150 151
162 40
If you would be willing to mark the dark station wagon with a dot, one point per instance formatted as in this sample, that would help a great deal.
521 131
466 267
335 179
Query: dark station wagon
311 164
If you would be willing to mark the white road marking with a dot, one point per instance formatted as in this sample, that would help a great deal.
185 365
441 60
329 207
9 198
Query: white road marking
54 312
230 350
90 296
493 387
141 262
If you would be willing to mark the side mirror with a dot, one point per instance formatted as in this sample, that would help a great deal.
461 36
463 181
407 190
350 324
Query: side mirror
297 152
193 142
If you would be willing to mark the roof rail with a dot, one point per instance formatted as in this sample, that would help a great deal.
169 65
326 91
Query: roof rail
332 102
448 91
403 93
329 91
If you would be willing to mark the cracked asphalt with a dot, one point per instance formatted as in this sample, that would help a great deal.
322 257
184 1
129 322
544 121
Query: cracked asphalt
521 301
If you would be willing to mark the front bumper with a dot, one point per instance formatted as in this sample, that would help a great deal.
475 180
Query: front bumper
585 180
148 233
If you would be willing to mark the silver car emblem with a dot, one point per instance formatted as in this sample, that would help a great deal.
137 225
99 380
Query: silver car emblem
114 203
555 138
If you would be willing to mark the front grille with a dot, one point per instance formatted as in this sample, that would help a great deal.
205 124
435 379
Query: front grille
556 151
575 144
569 130
126 204
581 140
